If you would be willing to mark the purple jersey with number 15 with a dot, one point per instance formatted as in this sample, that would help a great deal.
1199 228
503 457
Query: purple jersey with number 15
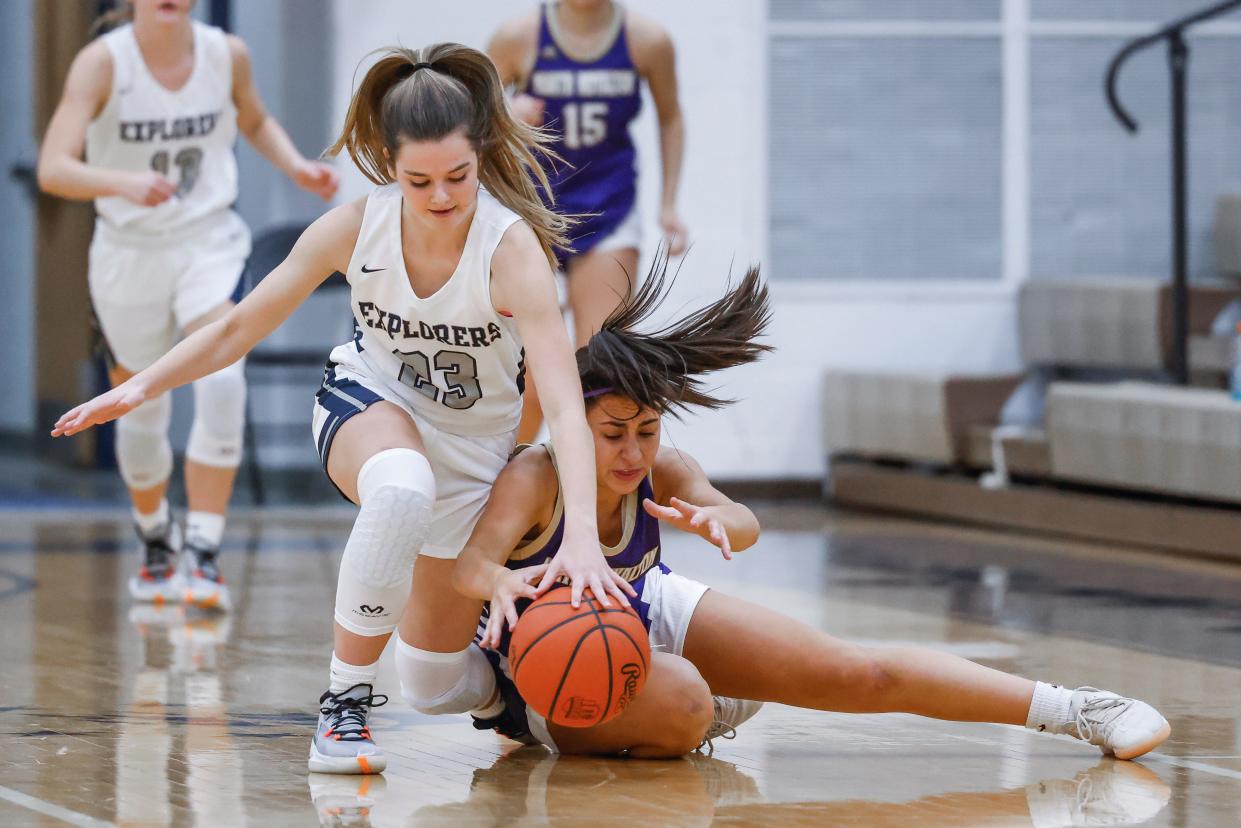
588 105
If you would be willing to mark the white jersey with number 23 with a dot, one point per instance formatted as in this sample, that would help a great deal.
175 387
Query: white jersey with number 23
451 357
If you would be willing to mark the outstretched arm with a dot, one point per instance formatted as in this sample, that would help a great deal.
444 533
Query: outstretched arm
267 136
323 248
685 498
61 170
523 285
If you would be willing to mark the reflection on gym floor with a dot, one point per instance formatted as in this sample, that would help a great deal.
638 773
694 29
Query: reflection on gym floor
116 714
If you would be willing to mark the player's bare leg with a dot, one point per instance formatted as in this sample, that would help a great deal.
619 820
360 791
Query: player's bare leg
158 579
751 652
209 486
669 718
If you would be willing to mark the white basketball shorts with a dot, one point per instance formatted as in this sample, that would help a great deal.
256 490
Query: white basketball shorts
465 467
145 288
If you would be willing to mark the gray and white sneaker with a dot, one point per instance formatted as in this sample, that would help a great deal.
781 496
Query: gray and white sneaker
204 585
342 742
1121 727
730 713
159 581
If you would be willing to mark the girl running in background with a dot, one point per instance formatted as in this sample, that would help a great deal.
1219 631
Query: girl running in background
157 105
578 67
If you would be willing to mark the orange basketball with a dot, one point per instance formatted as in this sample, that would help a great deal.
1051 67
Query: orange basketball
578 667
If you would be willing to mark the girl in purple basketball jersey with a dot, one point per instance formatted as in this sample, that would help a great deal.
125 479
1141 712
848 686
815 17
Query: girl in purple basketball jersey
577 66
712 652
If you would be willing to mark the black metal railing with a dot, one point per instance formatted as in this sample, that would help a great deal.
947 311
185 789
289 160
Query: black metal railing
1178 60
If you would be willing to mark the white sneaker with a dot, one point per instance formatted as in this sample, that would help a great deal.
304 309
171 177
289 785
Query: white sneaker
159 581
730 713
1110 793
342 742
204 585
1119 726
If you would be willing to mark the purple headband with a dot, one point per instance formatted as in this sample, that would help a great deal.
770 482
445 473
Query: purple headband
598 392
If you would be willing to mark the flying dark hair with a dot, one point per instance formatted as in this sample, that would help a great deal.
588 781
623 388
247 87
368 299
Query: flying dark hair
661 370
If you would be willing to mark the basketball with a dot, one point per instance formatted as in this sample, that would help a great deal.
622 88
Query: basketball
579 667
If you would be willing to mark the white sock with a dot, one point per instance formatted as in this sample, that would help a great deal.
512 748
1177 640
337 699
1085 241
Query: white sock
1049 709
342 676
204 529
153 523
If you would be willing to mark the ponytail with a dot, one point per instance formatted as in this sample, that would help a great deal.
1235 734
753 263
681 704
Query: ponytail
661 370
427 94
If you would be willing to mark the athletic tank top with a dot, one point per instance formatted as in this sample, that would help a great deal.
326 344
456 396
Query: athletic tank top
451 357
187 135
633 556
589 106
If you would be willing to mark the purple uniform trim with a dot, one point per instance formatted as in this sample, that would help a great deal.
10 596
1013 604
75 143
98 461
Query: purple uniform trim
637 558
589 107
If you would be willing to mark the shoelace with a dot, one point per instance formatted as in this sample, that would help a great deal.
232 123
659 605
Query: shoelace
717 730
347 717
1097 708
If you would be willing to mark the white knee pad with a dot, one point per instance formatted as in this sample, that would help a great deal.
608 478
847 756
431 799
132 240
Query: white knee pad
143 453
397 490
219 418
438 683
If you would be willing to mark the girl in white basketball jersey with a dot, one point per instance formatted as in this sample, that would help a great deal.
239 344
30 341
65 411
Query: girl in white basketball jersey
453 296
157 106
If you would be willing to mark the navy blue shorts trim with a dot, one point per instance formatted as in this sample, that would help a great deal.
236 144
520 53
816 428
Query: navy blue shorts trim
341 399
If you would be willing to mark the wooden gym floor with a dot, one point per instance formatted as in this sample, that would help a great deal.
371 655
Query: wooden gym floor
114 714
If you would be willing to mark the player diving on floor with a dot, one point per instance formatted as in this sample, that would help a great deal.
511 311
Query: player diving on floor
718 656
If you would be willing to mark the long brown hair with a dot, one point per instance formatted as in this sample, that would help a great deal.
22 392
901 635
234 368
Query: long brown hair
661 370
457 88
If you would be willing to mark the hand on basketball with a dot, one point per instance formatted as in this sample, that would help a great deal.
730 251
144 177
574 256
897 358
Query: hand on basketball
584 567
528 109
676 234
145 188
106 407
511 585
697 520
318 178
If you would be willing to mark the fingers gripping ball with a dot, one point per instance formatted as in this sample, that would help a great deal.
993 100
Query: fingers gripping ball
578 667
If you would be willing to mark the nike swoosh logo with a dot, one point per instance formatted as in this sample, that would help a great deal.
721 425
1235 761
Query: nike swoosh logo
373 269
